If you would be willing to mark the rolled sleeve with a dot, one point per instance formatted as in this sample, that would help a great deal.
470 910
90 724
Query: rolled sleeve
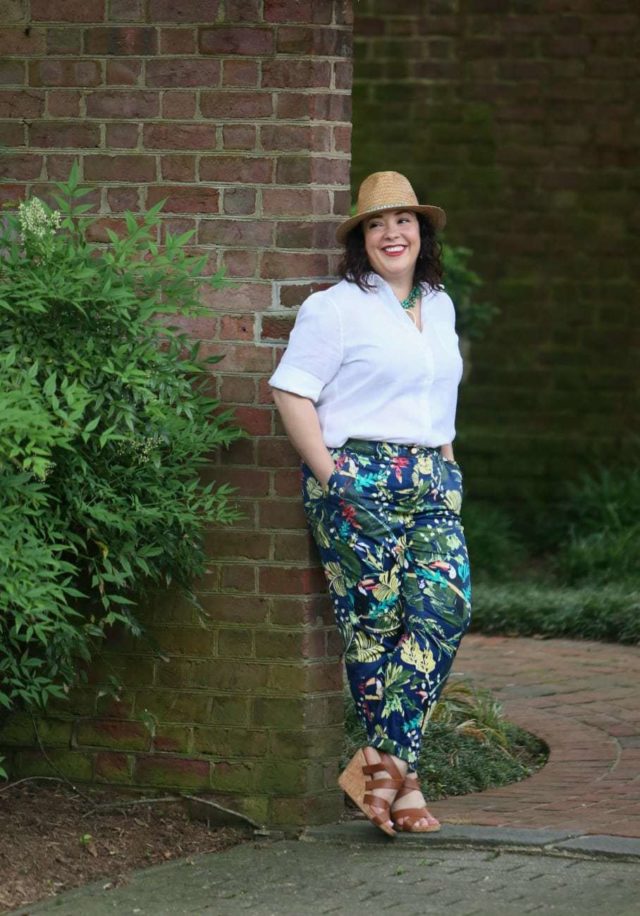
314 353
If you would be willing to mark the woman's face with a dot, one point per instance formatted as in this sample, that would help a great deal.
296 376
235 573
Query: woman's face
392 243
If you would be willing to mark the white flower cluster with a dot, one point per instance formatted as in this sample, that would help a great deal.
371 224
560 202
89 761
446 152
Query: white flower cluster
36 221
139 449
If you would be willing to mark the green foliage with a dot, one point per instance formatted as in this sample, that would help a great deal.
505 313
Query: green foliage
462 284
529 609
495 548
105 423
468 745
603 520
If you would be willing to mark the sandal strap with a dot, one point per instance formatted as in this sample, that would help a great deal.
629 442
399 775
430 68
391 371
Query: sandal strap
411 815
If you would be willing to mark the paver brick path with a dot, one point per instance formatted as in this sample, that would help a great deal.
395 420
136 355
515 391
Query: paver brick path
583 699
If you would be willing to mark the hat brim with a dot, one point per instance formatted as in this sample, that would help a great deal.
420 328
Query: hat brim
436 214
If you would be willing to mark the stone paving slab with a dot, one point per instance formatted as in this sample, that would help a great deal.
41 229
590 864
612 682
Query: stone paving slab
292 878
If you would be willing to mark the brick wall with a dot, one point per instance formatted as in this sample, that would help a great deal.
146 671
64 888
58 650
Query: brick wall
521 119
238 113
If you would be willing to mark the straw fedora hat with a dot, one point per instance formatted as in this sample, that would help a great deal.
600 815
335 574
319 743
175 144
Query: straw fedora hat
388 191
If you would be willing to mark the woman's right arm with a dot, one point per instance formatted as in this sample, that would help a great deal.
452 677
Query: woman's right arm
302 426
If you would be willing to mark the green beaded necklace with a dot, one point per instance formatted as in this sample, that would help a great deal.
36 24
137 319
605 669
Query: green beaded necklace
412 298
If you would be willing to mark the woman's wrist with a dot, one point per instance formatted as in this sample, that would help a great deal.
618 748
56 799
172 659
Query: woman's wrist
447 452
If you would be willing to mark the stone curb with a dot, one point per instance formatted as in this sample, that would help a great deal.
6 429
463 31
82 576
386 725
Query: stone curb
547 842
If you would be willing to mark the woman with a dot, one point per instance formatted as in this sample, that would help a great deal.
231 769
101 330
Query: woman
367 391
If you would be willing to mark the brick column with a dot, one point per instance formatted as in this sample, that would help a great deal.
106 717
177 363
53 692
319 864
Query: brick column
238 113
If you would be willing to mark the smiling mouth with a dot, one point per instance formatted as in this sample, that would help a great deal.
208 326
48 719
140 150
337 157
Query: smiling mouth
394 250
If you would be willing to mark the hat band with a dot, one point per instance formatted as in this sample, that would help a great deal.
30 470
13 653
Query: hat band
403 205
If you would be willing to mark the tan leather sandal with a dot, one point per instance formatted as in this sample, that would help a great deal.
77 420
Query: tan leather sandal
405 819
354 783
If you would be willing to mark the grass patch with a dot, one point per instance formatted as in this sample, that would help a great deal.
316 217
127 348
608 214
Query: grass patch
468 745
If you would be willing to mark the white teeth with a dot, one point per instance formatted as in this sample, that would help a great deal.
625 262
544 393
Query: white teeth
394 248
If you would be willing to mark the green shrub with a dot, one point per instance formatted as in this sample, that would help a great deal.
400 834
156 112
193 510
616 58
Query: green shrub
603 519
462 284
527 609
105 423
495 550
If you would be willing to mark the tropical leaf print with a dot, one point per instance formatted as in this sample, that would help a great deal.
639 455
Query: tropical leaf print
337 581
365 648
453 500
388 586
412 654
314 489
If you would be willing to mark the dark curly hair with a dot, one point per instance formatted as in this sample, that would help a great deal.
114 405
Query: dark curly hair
355 266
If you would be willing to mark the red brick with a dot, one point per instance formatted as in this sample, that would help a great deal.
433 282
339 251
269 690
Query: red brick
342 138
281 514
229 104
239 201
237 390
120 168
245 609
294 545
121 199
295 202
243 10
183 10
123 103
291 580
11 194
180 136
255 420
125 72
17 43
125 40
12 133
241 357
122 136
59 167
277 265
240 72
112 767
343 74
277 453
239 296
297 11
250 233
286 137
312 170
178 41
180 73
317 106
24 167
276 328
126 10
178 168
162 770
178 104
306 73
68 10
305 234
250 545
237 327
64 41
252 483
53 72
185 199
64 103
21 103
254 41
238 136
64 135
239 577
240 262
12 73
236 169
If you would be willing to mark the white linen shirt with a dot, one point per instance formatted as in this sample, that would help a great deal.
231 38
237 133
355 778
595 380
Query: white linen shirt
368 369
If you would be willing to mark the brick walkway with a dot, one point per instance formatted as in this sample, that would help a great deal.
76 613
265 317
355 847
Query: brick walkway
583 699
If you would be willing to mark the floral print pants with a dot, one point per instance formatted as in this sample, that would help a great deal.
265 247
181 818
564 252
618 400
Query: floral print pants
387 526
